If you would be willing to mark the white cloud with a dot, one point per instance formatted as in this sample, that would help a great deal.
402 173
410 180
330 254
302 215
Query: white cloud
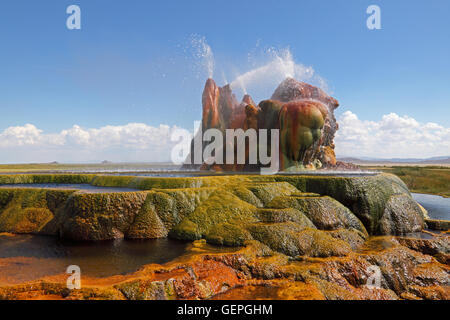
19 136
136 142
393 136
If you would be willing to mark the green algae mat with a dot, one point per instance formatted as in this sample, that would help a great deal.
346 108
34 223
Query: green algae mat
295 215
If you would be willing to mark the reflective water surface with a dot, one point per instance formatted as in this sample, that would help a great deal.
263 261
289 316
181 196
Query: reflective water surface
438 207
28 257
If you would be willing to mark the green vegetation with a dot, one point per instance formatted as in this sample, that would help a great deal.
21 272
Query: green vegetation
225 210
30 210
366 197
46 178
431 180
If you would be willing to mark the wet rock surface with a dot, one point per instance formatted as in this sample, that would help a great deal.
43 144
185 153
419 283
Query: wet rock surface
299 232
214 208
257 271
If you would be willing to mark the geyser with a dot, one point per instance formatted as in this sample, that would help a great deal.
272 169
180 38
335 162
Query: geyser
303 114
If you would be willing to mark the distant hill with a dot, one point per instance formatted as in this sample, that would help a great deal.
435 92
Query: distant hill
437 161
363 160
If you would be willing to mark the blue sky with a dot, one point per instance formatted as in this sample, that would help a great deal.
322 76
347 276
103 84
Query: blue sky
133 61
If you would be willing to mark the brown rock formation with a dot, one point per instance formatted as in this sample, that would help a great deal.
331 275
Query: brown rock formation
210 100
292 90
306 137
255 271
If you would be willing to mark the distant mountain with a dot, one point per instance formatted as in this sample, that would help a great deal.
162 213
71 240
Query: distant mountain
350 159
437 161
433 160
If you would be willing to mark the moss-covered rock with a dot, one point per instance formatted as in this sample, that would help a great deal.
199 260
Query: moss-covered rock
265 192
221 207
156 290
226 234
46 178
317 243
324 212
149 183
100 216
401 215
367 197
183 202
246 195
295 240
147 224
354 238
193 208
29 210
186 230
284 215
281 237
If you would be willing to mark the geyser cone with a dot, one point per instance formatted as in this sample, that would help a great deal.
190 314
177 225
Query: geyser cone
303 113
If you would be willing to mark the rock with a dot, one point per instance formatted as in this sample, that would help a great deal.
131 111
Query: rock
324 212
439 225
303 113
301 124
382 202
431 292
292 90
187 208
30 210
220 207
437 245
268 115
212 114
226 234
344 166
327 156
401 215
206 272
147 224
353 237
316 243
239 114
265 192
100 216
295 240
284 215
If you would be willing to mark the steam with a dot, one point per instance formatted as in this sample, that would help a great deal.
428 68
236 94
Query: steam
281 65
273 66
203 54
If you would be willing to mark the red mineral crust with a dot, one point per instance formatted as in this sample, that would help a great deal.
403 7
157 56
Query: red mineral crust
303 113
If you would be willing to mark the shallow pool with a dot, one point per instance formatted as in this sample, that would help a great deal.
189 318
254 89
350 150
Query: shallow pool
28 257
438 207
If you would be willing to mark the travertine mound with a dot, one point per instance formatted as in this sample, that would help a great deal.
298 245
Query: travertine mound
304 114
226 210
295 237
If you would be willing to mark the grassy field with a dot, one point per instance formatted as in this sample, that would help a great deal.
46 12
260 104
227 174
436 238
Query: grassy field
432 180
